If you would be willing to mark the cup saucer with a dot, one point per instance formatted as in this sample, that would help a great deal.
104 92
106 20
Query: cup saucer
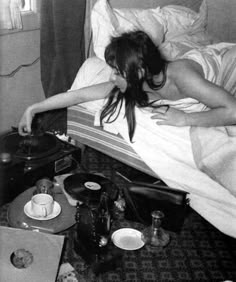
56 211
127 239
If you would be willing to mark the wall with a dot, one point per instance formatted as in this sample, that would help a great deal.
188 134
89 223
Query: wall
222 20
24 87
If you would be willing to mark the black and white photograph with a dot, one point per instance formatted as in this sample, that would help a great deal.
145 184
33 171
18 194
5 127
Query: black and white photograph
117 140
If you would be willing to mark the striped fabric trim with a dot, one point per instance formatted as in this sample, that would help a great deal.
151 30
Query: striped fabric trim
96 136
229 78
228 69
81 129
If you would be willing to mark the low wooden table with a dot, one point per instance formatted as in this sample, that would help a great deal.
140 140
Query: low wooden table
18 219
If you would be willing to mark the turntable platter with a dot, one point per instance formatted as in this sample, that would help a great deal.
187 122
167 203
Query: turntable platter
30 147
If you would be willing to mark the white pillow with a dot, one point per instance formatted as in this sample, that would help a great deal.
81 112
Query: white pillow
181 28
107 22
186 30
184 20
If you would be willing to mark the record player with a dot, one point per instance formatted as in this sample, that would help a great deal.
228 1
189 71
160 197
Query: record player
26 159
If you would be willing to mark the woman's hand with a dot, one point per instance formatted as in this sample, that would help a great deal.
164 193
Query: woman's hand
169 116
24 126
119 81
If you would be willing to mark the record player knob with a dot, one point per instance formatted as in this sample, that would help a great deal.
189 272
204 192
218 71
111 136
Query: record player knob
5 158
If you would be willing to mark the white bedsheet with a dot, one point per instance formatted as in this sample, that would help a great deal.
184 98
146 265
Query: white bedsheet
214 148
167 150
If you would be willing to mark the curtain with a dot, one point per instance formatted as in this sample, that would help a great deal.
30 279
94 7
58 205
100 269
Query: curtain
62 52
87 29
10 15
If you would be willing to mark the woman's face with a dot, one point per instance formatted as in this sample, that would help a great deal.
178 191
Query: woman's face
120 79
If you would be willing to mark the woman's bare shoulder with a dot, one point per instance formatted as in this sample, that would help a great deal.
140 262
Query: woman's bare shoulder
184 66
186 75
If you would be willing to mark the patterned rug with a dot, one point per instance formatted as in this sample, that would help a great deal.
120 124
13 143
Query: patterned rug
198 253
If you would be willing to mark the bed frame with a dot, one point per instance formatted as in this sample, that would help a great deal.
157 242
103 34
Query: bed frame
81 129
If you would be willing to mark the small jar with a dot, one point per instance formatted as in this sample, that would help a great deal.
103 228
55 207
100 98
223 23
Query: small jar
44 185
155 236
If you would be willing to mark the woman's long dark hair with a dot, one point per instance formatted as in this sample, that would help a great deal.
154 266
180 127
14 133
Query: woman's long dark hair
130 54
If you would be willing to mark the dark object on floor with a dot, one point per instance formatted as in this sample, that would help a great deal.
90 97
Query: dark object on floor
11 180
96 195
143 198
107 259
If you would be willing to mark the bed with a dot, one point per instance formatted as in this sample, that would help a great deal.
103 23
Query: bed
168 153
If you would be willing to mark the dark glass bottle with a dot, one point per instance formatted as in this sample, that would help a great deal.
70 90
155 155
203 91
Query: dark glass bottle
103 224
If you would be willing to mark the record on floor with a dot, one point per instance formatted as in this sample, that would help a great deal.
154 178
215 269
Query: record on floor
88 187
29 256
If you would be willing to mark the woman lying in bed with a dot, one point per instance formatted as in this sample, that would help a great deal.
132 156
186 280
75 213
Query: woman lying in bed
142 76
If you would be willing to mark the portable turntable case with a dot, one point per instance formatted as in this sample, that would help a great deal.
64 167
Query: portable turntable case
142 198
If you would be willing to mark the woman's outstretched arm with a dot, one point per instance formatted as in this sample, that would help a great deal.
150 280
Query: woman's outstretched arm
63 100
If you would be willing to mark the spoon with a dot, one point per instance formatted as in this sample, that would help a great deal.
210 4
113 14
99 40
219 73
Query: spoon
35 228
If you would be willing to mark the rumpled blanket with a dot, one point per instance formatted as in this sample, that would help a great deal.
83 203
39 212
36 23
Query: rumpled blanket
214 148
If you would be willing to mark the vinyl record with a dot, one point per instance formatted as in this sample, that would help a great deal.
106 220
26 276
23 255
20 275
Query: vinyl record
45 255
87 187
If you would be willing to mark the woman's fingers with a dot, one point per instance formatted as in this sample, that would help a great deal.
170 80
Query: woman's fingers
169 116
161 109
160 113
23 130
24 126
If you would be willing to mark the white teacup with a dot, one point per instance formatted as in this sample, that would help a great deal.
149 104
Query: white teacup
42 205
